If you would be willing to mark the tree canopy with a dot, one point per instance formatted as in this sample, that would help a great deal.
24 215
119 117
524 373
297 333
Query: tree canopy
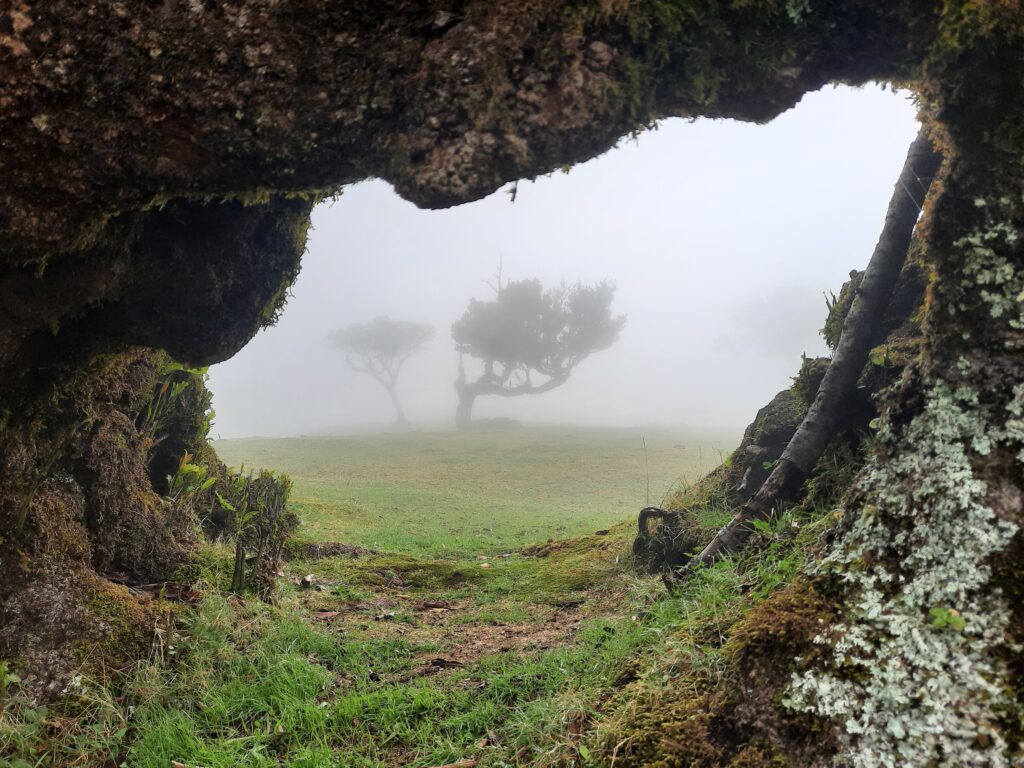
529 338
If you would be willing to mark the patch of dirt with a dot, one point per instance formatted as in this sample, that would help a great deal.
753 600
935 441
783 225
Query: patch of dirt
452 632
318 550
438 612
470 642
467 643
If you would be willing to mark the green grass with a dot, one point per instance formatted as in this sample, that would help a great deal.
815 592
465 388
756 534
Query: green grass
451 494
294 693
249 684
546 651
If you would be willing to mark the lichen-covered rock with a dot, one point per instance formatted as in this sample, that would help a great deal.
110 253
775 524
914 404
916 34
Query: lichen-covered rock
50 623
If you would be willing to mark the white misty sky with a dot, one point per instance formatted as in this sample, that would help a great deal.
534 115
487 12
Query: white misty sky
721 237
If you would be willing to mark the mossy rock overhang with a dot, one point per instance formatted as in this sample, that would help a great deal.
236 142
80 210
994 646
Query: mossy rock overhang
110 112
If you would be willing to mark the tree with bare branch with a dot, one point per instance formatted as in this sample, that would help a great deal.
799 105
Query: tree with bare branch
380 348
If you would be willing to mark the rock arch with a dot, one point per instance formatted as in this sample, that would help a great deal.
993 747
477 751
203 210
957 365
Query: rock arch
158 162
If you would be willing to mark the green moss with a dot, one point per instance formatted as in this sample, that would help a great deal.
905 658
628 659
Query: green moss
733 634
806 382
711 491
126 625
833 475
299 231
839 307
401 571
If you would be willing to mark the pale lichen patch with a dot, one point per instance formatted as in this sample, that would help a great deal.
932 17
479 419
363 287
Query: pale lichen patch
917 674
910 688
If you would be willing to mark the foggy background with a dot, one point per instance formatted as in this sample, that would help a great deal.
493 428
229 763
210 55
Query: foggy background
721 238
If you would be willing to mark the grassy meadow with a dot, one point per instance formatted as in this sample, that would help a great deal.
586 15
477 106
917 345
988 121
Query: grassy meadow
449 494
451 643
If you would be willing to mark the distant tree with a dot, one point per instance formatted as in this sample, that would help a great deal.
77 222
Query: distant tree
380 348
529 339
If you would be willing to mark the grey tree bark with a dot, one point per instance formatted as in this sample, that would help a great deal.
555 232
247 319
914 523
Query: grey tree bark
464 411
400 418
860 333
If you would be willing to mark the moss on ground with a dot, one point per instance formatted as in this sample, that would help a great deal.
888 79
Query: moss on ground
713 697
389 660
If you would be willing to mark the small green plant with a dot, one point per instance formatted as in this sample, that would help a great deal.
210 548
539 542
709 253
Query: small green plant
191 480
7 680
21 726
174 380
947 618
257 519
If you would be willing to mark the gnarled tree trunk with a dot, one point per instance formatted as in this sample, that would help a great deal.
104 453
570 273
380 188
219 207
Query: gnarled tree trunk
464 410
860 333
400 419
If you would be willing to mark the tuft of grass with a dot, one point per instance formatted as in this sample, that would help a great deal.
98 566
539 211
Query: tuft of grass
696 626
251 683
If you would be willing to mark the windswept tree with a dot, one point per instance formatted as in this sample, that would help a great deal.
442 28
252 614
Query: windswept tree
380 348
529 339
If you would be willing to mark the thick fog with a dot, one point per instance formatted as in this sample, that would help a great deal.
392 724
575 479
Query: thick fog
721 238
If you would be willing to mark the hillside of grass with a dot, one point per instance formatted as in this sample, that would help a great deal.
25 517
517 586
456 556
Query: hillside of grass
440 494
